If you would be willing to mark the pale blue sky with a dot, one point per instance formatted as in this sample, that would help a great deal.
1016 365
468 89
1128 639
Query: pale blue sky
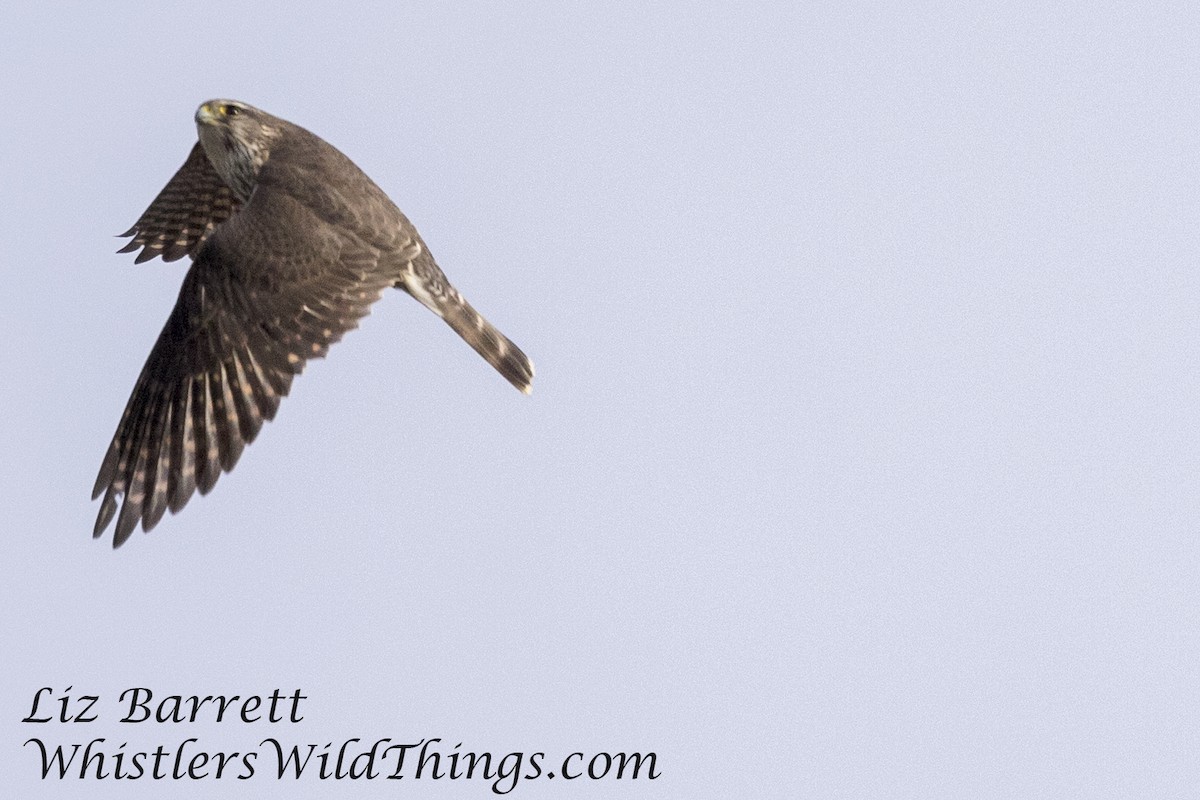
862 456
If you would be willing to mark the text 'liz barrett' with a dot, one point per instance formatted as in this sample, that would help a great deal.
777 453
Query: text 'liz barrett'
139 706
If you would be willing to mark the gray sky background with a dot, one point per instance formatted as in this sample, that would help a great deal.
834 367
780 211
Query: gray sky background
862 456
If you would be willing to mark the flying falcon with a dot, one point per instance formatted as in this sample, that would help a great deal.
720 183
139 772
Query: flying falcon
290 244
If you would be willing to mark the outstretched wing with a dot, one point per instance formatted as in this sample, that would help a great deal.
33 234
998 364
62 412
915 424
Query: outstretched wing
262 298
185 212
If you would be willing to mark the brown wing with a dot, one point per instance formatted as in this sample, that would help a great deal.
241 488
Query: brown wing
192 203
253 308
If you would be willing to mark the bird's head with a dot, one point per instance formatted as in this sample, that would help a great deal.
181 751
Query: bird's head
237 140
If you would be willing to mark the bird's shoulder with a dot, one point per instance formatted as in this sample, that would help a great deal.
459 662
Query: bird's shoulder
333 189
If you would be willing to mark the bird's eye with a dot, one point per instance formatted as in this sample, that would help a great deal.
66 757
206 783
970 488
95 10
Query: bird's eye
230 111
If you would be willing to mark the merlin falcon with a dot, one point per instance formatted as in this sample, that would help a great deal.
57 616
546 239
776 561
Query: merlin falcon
290 245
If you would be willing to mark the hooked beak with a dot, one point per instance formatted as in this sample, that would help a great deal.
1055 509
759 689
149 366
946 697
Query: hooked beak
206 114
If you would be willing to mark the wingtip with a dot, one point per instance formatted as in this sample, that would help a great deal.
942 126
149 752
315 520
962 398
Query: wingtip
107 509
126 524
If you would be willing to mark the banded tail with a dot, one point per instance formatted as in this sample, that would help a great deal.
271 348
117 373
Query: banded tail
496 348
425 282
